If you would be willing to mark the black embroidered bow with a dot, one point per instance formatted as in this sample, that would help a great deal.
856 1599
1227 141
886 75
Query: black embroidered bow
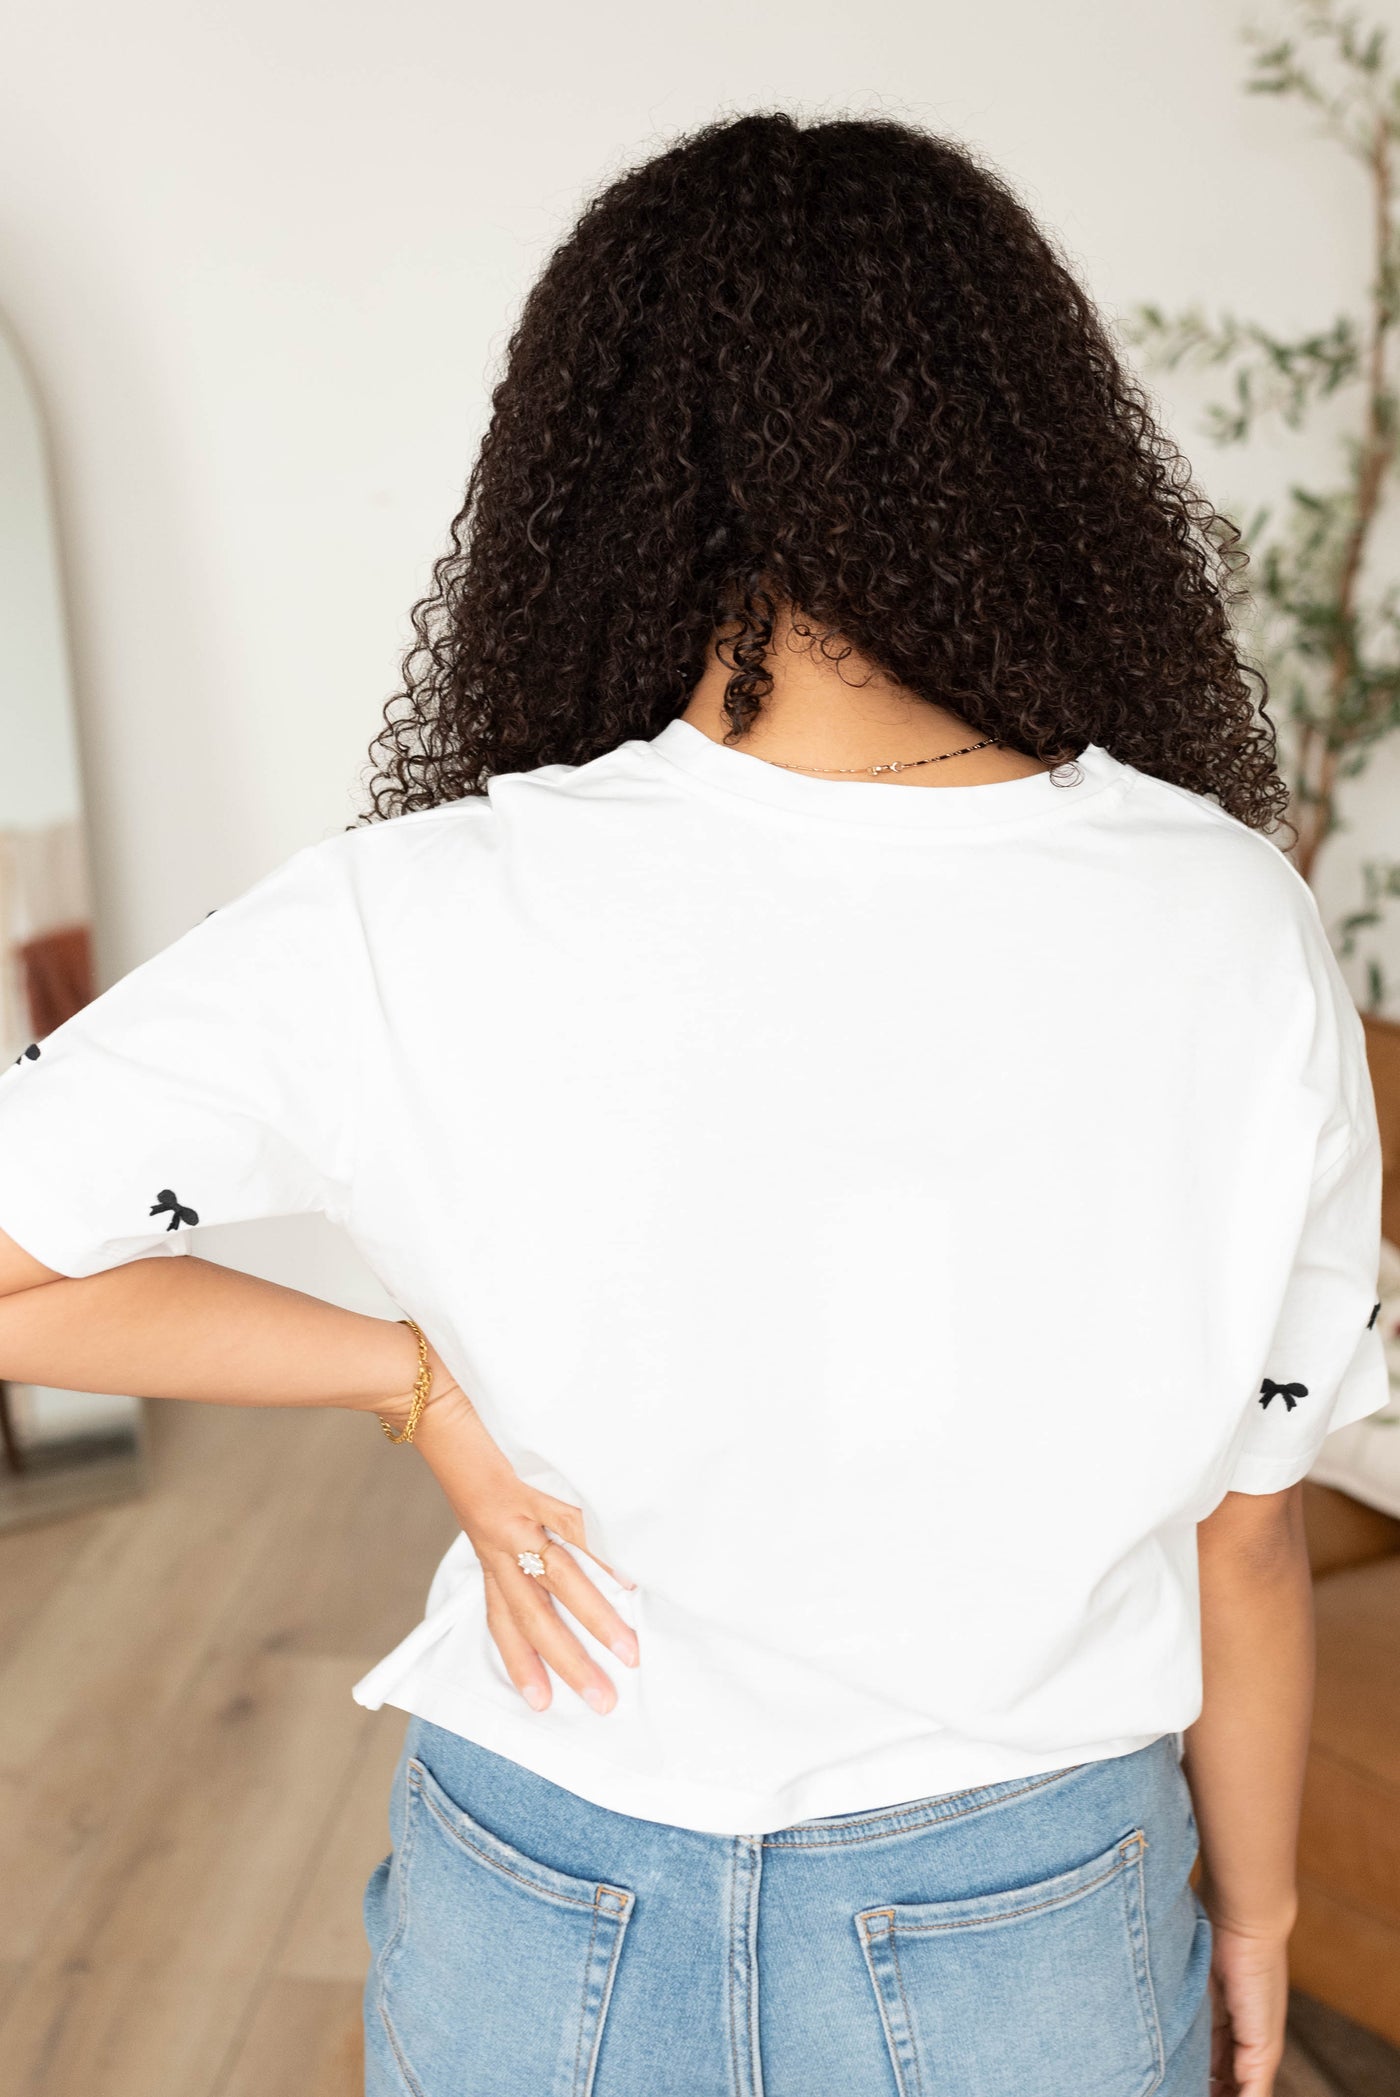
32 1052
178 1214
1372 1319
1290 1393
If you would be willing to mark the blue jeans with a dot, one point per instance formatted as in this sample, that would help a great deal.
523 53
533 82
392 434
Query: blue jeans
1037 1938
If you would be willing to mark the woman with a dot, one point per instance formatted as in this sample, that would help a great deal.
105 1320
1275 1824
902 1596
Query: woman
875 1154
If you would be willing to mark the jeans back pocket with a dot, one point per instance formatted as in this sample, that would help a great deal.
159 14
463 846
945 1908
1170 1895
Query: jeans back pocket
495 1975
1042 1988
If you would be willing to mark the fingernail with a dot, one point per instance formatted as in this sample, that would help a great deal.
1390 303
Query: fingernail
597 1699
625 1648
535 1697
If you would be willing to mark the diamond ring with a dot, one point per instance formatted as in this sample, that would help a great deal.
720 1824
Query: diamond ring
531 1562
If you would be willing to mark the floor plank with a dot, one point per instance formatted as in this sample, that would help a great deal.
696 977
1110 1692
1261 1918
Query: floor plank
368 1523
104 1665
325 1938
305 2041
143 1984
187 1789
33 1562
11 1976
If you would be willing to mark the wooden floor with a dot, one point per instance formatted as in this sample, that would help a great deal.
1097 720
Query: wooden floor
190 1802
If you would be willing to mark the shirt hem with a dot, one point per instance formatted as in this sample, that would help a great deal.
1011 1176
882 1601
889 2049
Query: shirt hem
925 1768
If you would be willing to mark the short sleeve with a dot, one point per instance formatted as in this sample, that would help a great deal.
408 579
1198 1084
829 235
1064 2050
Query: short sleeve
1326 1364
210 1085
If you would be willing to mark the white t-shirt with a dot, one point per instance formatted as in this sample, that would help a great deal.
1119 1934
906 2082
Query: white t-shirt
896 1215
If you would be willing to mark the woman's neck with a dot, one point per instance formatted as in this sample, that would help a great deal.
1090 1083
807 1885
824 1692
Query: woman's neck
827 717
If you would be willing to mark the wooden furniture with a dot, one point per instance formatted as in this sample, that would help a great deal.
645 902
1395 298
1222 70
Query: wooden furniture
1383 1055
1346 1949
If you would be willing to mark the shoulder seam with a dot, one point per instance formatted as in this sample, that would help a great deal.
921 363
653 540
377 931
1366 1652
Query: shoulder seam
394 826
1209 812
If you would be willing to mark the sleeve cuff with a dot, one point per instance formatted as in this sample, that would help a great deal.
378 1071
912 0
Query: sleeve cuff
76 1259
1365 1391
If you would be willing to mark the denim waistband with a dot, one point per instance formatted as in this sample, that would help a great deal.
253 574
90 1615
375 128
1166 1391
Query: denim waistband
834 1829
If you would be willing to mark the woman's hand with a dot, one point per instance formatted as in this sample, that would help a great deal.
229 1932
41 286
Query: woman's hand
1249 1996
501 1515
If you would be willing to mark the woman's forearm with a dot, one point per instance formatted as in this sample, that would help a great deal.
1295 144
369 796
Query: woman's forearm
1246 1753
187 1328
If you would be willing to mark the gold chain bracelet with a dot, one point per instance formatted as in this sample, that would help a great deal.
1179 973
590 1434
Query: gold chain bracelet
422 1386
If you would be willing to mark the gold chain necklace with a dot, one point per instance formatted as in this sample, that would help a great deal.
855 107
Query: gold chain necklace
904 764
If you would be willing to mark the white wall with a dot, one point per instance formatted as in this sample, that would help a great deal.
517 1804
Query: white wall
39 782
263 258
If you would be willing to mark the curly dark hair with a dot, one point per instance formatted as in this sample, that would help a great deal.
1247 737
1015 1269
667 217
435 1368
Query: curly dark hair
833 368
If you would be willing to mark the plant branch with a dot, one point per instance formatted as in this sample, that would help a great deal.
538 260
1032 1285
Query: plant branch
1322 743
